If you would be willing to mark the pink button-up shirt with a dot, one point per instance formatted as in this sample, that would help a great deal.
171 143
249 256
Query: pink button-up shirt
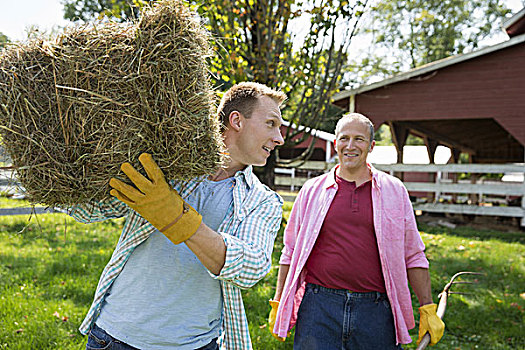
399 243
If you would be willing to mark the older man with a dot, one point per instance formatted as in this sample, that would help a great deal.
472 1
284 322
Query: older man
351 246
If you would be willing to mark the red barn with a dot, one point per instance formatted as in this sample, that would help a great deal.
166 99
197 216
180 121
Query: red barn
472 103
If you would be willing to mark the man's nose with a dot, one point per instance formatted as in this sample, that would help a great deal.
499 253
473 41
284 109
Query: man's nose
349 143
278 139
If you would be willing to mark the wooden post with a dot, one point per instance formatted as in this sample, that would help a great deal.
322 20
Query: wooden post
432 177
474 198
455 155
437 177
523 201
455 159
399 137
523 195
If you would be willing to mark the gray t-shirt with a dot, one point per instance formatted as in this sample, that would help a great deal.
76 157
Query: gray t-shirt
164 298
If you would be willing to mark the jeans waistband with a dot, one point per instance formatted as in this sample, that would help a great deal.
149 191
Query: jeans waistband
345 292
212 345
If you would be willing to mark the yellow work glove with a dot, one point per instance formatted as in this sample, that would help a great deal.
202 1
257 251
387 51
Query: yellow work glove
156 201
271 319
430 322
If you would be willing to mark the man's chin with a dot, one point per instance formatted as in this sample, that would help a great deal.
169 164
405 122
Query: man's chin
260 163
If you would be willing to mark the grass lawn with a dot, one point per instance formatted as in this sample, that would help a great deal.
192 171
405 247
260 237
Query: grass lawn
50 267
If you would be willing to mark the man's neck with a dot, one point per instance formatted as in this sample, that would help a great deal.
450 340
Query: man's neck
228 170
359 176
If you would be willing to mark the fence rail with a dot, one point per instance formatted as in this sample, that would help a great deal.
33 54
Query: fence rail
27 211
443 187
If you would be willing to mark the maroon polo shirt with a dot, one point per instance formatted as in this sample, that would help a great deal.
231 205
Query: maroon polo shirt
345 255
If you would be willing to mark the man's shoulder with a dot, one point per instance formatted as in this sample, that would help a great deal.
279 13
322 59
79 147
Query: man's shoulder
316 181
312 187
386 177
262 191
389 181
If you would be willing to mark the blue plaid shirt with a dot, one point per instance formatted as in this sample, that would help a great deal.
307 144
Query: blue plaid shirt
249 229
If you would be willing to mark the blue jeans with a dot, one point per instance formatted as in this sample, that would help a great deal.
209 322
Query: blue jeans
99 339
337 319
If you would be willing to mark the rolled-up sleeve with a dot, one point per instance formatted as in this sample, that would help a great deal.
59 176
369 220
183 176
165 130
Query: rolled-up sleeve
249 250
111 208
414 246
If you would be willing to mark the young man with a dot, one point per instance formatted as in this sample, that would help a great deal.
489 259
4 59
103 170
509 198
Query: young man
351 246
157 293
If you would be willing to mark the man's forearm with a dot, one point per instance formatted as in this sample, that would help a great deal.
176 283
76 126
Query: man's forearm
419 279
209 248
281 278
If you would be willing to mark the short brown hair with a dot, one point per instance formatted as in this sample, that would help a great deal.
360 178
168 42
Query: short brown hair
242 98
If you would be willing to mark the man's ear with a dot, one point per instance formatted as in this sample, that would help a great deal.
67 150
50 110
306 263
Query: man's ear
371 147
235 120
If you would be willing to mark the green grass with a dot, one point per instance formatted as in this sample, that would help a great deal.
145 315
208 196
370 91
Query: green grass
50 267
6 202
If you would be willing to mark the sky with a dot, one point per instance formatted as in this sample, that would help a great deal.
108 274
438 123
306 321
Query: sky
18 15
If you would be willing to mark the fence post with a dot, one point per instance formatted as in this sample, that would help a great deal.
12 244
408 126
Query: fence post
437 194
292 188
523 199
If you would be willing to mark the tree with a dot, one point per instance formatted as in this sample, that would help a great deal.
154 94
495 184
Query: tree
3 40
256 42
408 34
88 10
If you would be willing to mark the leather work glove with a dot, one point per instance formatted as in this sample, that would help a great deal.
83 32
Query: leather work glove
271 319
156 201
430 322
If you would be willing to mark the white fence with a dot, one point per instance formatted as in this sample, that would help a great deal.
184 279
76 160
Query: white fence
445 188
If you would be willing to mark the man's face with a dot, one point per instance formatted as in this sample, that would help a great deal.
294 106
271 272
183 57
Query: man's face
260 133
352 145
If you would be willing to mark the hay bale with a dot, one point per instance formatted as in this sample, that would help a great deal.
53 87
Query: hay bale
74 108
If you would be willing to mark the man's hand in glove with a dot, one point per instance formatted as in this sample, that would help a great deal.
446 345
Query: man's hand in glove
156 201
430 322
271 319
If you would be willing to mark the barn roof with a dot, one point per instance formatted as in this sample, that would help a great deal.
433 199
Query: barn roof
430 67
516 24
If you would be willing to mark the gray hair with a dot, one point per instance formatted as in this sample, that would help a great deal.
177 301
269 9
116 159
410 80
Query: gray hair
352 117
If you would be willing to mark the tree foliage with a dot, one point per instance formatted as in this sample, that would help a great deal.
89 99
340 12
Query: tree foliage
88 10
408 34
3 40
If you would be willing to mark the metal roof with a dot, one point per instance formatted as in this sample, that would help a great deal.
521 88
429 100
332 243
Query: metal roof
508 22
